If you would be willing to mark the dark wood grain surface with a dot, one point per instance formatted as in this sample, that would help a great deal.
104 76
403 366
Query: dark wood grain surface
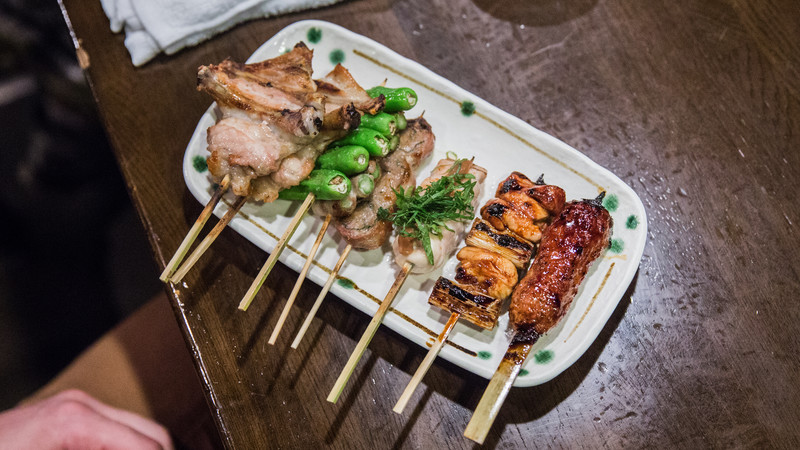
694 104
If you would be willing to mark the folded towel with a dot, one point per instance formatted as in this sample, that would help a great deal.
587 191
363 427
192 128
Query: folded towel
155 26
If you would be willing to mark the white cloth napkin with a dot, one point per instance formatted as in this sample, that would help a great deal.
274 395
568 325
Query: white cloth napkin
155 26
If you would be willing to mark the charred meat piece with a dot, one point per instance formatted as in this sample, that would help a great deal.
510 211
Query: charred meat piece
505 243
518 209
486 272
569 245
275 122
477 308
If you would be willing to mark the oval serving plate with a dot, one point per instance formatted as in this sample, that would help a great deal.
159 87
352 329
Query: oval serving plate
499 142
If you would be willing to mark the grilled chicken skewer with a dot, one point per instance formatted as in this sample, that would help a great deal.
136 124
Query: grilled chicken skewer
275 120
489 263
363 229
413 257
569 246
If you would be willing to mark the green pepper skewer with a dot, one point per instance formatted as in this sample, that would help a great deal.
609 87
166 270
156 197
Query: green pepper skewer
376 143
325 184
348 159
384 122
397 99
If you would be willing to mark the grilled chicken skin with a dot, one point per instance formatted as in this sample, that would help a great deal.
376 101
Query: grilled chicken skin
486 271
523 206
275 121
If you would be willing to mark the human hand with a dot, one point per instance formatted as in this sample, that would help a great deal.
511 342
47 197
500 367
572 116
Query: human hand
73 419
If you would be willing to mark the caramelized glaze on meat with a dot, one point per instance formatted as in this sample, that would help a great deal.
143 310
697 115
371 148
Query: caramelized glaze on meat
523 206
486 271
569 245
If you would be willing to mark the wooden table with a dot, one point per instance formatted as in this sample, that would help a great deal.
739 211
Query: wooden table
694 105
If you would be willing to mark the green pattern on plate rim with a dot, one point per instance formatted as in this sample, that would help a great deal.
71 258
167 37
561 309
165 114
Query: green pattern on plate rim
611 202
345 283
543 356
337 56
314 35
523 372
617 245
484 355
467 108
199 163
632 222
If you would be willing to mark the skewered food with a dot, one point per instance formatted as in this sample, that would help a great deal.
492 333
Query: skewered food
276 119
451 190
496 248
571 243
431 222
488 264
363 228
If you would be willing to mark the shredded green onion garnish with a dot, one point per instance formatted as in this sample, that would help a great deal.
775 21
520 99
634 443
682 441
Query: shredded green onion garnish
422 212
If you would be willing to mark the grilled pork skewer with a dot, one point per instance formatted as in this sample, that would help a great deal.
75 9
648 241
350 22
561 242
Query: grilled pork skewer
569 246
363 229
275 120
412 257
488 264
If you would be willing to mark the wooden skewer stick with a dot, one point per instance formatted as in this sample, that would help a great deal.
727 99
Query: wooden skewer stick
169 270
426 363
496 392
299 282
321 296
276 252
368 334
208 240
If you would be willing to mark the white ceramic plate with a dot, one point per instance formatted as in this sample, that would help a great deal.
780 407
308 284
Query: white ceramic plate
499 142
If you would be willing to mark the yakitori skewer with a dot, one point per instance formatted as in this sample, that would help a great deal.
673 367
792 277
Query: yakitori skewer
374 137
180 253
274 121
361 227
430 221
488 265
569 245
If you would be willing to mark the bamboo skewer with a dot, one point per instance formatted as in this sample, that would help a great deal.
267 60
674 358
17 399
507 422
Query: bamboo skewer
208 240
338 387
496 392
300 279
194 231
321 296
426 363
273 257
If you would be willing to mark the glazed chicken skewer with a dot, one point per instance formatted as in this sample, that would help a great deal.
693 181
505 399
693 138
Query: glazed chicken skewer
457 184
568 247
488 265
